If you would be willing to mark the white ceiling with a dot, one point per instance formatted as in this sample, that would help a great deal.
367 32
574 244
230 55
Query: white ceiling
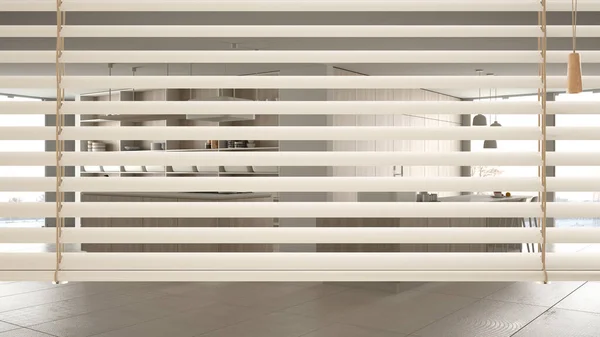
294 44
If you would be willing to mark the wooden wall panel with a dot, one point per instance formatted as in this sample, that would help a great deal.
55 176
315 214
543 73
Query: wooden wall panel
95 222
246 222
126 222
159 222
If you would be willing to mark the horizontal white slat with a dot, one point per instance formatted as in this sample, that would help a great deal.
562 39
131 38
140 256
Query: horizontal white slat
301 82
572 159
302 56
27 108
301 133
574 276
297 276
275 210
296 56
573 133
293 6
27 56
573 184
310 108
558 82
293 133
287 108
277 235
573 261
300 276
290 31
559 56
573 210
290 82
301 261
292 158
573 108
573 235
27 82
274 6
276 82
299 107
299 184
273 261
292 56
284 184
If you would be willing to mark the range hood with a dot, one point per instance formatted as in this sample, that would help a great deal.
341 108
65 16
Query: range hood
220 118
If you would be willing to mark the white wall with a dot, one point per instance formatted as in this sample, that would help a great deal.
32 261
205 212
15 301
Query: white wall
391 145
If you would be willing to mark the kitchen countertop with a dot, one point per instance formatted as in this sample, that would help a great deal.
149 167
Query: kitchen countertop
483 198
184 195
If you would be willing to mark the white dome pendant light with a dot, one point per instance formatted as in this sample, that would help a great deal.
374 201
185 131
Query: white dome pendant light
492 144
479 120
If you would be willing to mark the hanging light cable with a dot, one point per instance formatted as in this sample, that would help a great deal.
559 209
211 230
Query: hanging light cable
479 119
491 144
574 81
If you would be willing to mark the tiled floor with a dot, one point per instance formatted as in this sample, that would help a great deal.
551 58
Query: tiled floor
562 309
297 309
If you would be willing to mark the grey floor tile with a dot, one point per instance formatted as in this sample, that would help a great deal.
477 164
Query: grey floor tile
468 289
245 294
271 325
182 288
343 330
56 294
406 312
484 318
298 296
586 298
563 323
258 294
532 293
337 305
24 333
77 306
119 317
16 288
6 326
188 324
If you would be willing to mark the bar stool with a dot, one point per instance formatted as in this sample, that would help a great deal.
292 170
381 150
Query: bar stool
532 223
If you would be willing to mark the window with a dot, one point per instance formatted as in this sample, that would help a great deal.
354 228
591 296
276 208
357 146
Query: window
21 171
578 171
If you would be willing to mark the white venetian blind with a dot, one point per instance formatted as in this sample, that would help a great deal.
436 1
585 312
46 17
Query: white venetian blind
539 265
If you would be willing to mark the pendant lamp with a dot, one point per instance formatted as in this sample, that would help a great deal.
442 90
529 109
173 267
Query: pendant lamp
574 82
491 144
479 120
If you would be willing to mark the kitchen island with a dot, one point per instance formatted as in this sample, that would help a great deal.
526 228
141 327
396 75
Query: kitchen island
427 222
176 222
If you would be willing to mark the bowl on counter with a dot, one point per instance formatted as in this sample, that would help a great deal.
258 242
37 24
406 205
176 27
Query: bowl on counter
92 169
134 169
111 168
185 169
238 169
154 168
207 169
266 169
